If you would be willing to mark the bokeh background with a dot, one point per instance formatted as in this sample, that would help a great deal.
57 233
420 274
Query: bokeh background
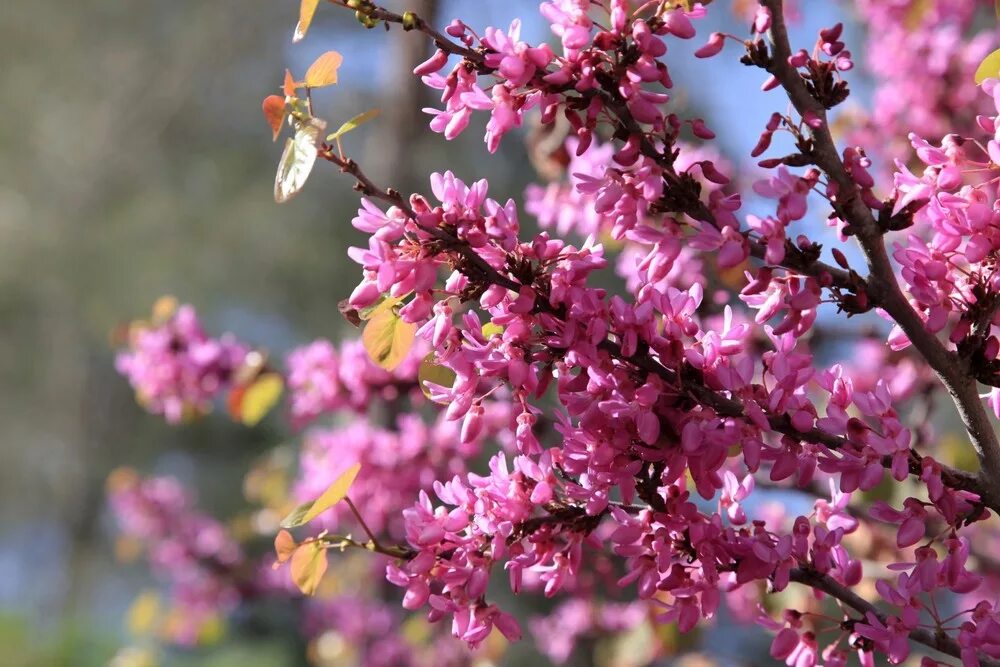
135 162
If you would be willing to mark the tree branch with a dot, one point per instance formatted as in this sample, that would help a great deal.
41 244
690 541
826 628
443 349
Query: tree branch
938 641
883 286
703 395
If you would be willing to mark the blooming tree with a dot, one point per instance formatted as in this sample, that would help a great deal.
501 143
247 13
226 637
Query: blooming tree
634 441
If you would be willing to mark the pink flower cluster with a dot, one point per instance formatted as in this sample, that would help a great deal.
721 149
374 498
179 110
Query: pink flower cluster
396 463
324 379
639 429
923 56
176 369
194 552
948 258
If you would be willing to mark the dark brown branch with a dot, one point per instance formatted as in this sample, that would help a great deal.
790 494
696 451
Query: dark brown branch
883 286
939 641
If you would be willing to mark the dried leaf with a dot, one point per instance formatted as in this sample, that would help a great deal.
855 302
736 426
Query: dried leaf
349 312
323 72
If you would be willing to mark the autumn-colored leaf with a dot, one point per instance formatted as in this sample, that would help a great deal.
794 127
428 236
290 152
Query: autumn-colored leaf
297 160
353 124
336 492
323 72
308 566
349 312
259 397
306 11
387 337
274 112
143 613
996 7
284 546
289 86
490 329
435 373
989 68
164 308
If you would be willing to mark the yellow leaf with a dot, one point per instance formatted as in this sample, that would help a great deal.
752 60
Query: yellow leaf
306 11
435 373
297 160
323 72
212 630
989 68
387 338
353 124
490 330
143 613
260 397
336 492
164 308
309 566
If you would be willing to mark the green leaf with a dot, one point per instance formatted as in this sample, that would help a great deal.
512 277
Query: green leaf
386 337
353 124
435 373
336 492
297 160
989 68
490 330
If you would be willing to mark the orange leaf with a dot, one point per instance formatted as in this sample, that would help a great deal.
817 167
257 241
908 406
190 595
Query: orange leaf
289 86
234 401
284 546
306 11
308 566
274 112
323 72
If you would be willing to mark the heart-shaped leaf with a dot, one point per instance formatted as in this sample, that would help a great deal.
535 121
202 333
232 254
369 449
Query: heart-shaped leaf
297 160
308 566
387 337
274 112
323 72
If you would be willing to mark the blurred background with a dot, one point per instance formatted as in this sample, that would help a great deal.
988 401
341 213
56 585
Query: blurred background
135 162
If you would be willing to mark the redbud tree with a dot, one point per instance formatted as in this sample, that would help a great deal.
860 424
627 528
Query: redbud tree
650 454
